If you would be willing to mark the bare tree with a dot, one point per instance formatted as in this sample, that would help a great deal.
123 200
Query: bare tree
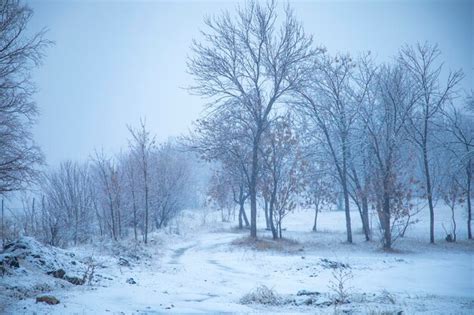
330 100
422 65
319 177
68 197
246 61
28 214
106 172
131 174
50 222
230 180
385 121
220 193
460 126
319 191
170 176
224 137
19 54
240 195
359 184
360 156
283 168
453 194
141 146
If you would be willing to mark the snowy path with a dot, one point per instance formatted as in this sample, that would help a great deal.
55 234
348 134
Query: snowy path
185 277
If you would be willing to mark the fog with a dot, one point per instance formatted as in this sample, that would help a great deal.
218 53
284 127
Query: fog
115 62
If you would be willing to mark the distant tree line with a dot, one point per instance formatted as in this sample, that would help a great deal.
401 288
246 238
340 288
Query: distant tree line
140 190
125 196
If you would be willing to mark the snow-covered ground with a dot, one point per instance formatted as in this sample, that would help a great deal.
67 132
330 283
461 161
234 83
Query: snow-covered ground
209 270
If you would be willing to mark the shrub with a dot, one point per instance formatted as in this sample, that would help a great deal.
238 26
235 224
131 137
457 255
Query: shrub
262 295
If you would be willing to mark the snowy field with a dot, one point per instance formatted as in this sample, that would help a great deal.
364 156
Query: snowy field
210 270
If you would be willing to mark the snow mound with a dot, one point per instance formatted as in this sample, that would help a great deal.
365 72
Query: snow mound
28 268
27 254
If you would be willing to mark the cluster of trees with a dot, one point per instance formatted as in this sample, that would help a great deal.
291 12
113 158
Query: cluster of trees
129 195
287 124
139 190
286 119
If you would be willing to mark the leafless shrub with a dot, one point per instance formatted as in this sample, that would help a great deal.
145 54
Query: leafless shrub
387 297
89 273
262 295
339 285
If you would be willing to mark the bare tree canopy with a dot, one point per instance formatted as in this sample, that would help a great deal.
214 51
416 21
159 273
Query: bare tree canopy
19 54
250 61
424 70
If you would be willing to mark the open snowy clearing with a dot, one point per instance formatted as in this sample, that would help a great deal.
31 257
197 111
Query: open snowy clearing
209 270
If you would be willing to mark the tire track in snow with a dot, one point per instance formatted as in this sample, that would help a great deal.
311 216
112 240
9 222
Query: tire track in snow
178 253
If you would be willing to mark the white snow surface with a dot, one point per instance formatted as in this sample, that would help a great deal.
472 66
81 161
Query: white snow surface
208 270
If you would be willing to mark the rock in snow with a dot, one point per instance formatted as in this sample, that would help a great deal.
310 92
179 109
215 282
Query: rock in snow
123 262
48 299
131 281
29 268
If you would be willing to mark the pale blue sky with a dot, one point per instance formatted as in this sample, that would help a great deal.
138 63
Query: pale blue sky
114 62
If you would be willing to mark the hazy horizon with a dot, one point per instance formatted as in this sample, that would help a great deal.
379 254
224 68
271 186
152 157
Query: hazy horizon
115 62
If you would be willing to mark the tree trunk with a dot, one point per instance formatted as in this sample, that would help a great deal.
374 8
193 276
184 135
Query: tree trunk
242 215
146 215
429 192
469 213
270 214
112 217
134 218
387 243
362 205
145 178
3 227
76 225
454 223
279 224
241 226
316 210
253 189
33 215
273 229
365 203
267 221
365 217
348 214
119 223
346 193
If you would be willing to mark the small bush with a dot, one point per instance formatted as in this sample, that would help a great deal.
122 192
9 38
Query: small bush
386 297
262 295
340 285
